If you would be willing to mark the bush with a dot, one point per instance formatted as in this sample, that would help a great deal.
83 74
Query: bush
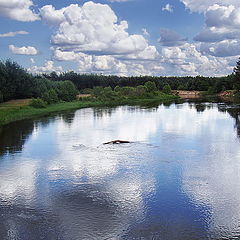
127 91
1 97
97 91
66 91
150 86
117 89
50 96
140 90
210 91
167 89
38 103
87 91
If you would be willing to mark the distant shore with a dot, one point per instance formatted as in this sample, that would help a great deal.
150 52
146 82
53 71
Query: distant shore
198 94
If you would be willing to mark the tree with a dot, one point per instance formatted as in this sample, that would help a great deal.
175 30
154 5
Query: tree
1 97
167 89
150 86
50 96
236 73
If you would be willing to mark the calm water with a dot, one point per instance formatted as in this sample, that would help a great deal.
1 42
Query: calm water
178 179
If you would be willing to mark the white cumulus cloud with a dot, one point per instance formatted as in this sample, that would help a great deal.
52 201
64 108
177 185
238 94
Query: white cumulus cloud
47 68
203 5
92 28
19 10
221 34
23 50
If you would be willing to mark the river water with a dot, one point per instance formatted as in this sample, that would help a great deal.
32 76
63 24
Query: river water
179 178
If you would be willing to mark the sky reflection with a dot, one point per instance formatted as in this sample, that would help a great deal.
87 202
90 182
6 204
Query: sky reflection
180 174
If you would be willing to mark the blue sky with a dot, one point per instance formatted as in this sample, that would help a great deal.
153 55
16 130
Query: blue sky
123 37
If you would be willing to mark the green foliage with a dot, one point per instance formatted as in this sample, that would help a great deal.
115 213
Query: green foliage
210 91
117 89
126 91
167 89
87 91
236 72
38 103
16 82
182 87
1 97
66 91
150 86
50 96
140 90
98 91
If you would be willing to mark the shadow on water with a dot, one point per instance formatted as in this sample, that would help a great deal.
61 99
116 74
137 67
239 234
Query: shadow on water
13 136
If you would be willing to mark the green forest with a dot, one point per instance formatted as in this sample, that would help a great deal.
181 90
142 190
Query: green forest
17 83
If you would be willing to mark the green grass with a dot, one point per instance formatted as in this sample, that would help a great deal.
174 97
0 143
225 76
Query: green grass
11 113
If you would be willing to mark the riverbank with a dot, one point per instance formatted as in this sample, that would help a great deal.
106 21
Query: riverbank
12 112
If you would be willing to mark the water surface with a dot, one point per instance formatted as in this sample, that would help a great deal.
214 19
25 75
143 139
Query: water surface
178 179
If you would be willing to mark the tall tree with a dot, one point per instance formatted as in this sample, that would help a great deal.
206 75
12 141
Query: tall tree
236 72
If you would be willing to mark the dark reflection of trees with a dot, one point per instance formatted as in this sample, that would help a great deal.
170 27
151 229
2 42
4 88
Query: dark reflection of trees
235 113
167 104
102 112
200 107
68 117
13 136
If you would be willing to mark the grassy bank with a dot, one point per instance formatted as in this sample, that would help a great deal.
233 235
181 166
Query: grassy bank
15 112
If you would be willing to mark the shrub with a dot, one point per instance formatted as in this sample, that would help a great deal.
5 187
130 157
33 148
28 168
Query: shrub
1 97
140 90
50 96
167 89
117 89
98 91
127 91
38 103
67 91
87 91
150 86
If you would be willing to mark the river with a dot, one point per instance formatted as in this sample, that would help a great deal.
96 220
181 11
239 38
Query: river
179 178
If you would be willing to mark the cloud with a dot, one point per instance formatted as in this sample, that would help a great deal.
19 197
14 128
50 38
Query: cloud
212 35
168 8
13 34
222 49
171 38
32 60
145 32
222 22
98 44
19 10
52 16
47 68
188 60
92 36
221 34
92 28
222 16
203 5
23 50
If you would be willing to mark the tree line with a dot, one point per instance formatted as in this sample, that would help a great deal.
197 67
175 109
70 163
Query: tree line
16 83
198 83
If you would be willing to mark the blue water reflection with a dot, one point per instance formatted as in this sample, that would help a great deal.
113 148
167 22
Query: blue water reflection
178 179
